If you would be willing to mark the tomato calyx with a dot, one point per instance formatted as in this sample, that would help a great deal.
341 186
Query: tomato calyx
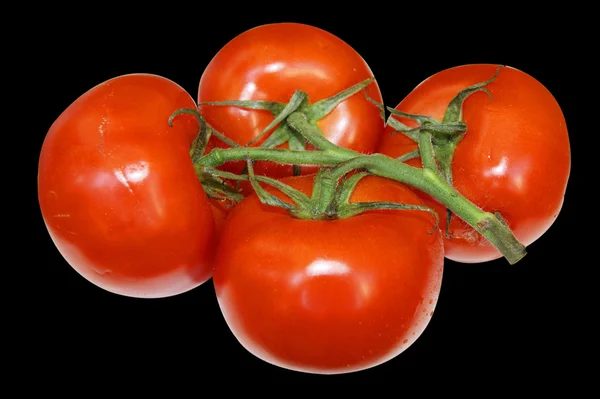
448 130
205 131
333 189
299 103
217 186
214 187
445 146
440 138
330 197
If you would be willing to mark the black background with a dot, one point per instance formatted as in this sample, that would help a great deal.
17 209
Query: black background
494 322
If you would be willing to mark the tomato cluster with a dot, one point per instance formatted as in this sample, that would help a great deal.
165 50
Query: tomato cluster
124 204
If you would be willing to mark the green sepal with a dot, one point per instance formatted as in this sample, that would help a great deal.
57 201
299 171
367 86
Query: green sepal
445 130
298 99
199 144
267 198
346 188
297 142
376 103
400 127
204 128
420 119
357 208
215 186
409 155
322 108
455 108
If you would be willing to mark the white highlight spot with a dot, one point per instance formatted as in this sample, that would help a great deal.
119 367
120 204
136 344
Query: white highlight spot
342 127
321 267
274 67
136 172
499 169
133 173
121 178
248 91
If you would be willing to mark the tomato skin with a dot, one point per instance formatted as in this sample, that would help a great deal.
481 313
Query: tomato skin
270 62
118 192
334 296
514 158
220 210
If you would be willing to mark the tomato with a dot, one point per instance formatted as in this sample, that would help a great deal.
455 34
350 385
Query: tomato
118 191
270 62
514 158
331 296
220 209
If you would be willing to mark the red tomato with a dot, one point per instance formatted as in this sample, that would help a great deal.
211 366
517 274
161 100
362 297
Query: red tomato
514 158
220 209
270 62
333 296
118 191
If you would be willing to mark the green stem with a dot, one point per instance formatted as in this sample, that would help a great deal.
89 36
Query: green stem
324 190
427 152
429 179
426 180
299 123
219 156
430 182
297 99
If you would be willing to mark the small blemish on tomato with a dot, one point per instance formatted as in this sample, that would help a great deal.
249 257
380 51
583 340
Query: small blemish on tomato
405 341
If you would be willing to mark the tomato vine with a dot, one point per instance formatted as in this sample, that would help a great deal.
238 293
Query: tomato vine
436 142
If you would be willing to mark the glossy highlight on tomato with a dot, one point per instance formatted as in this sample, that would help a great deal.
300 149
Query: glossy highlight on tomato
331 296
514 158
270 62
118 191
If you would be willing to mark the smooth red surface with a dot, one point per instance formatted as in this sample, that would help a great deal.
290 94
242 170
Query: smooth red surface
329 296
118 191
220 209
514 159
270 62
